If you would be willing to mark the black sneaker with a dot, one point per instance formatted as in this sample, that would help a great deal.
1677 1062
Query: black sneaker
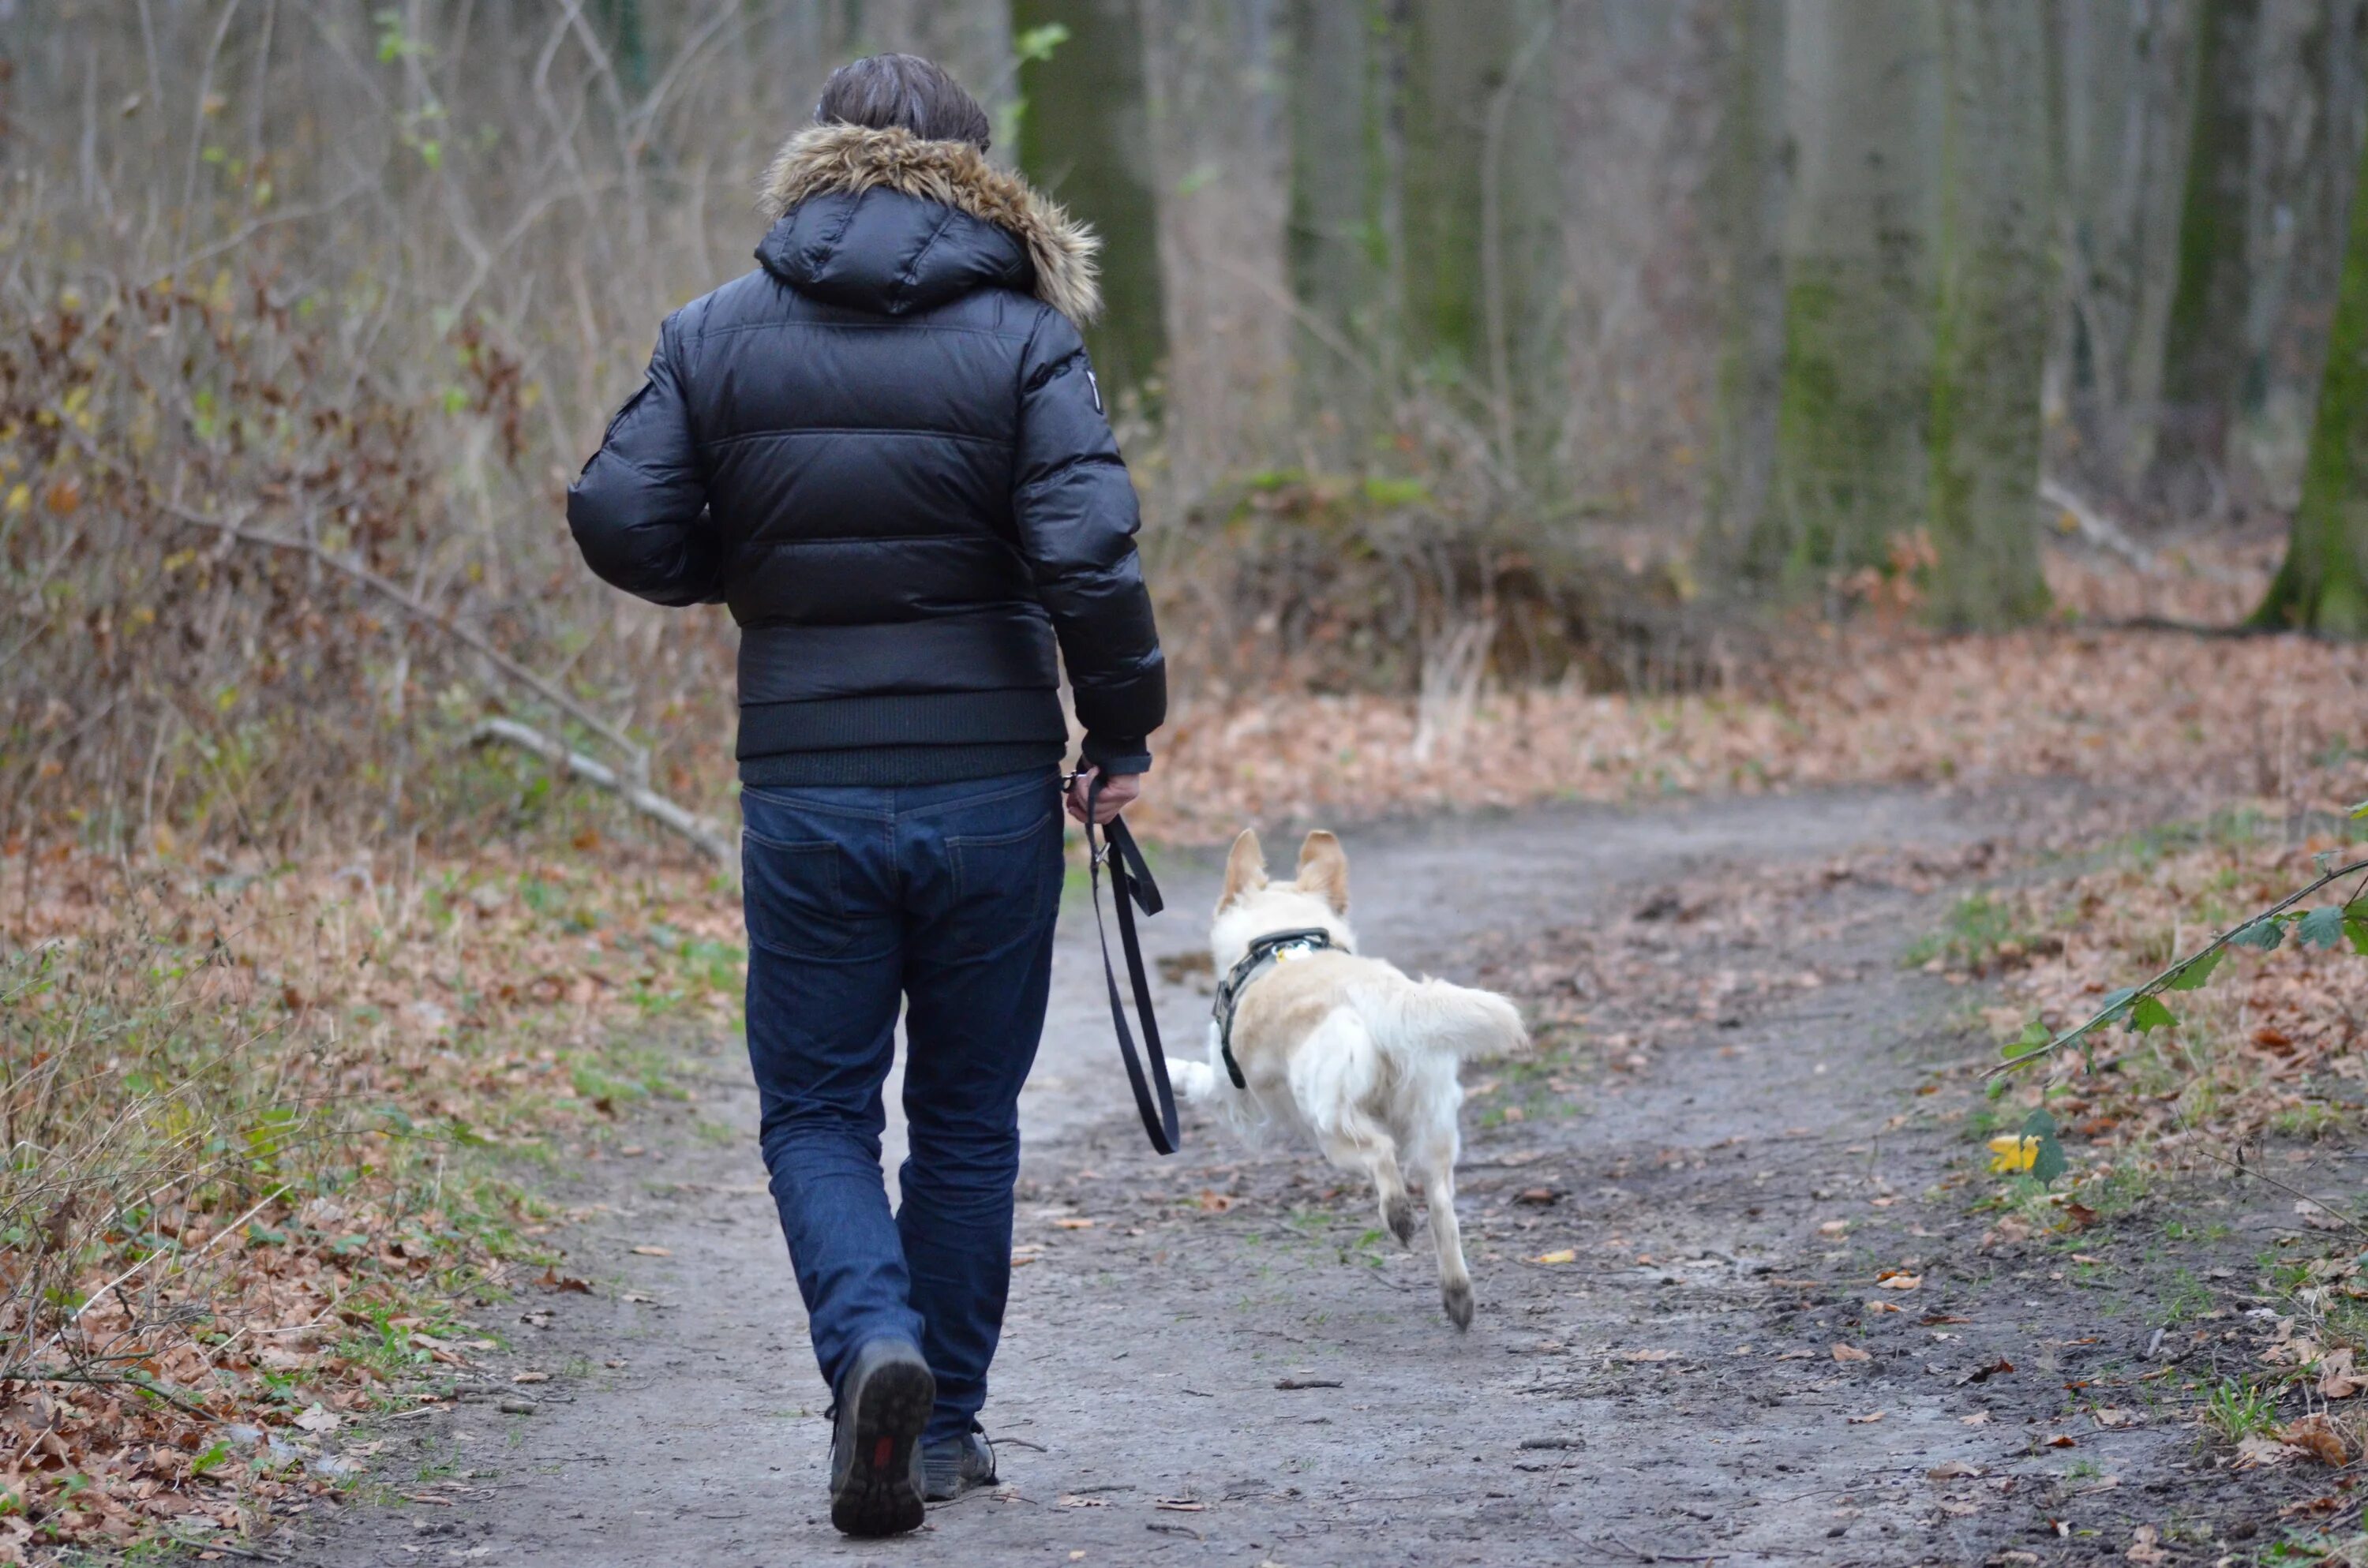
875 1448
952 1466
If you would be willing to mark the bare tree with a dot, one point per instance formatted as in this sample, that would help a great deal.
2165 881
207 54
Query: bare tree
1851 471
1482 222
1342 239
2125 73
1990 339
1085 136
2324 583
2204 362
1746 213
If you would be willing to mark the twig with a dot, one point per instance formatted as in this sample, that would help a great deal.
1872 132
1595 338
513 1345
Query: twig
229 1551
2107 535
102 1379
641 797
2241 631
75 1316
2094 525
1644 1556
2319 1203
420 610
2154 986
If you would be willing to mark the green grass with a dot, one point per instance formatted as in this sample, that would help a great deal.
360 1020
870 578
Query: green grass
2238 1408
2185 1299
1541 1086
2312 1120
2323 1551
1972 934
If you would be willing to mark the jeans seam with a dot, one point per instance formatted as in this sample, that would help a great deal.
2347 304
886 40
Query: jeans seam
857 813
968 800
893 811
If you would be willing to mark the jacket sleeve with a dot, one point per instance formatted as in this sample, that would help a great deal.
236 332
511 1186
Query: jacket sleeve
1076 515
639 509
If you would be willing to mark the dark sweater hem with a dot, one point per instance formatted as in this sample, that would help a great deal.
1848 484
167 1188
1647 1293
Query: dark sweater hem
1008 716
896 764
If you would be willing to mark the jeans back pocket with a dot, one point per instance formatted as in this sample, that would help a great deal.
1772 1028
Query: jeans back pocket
1005 884
793 897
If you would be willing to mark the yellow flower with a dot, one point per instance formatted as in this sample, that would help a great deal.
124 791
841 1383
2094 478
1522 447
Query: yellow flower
2013 1152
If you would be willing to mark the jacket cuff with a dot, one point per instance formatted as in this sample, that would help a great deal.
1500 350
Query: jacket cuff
1118 753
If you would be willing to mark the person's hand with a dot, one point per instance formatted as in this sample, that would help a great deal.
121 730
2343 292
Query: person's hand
1118 792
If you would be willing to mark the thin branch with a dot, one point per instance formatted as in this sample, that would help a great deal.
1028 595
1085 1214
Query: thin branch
2108 535
427 614
140 1380
700 830
2154 986
2322 1205
227 1230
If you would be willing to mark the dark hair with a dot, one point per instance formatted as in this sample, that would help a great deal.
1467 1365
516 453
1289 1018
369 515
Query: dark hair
903 92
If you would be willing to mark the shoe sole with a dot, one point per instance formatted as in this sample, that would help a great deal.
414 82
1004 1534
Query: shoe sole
882 1494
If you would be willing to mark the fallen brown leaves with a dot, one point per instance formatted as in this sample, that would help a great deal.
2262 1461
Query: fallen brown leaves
2316 1436
2261 1050
247 1094
2226 719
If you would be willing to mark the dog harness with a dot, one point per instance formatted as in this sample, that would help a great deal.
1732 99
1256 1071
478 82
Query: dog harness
1276 947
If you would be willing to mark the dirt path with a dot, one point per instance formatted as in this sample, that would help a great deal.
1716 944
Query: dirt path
1730 1190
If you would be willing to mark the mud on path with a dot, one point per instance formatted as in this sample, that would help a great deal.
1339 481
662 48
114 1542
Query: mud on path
1219 1357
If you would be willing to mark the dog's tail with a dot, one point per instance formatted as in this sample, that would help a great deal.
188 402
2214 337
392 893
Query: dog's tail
1449 1017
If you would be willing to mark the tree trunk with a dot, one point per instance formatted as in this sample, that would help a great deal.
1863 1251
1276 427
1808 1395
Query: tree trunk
2323 587
1482 212
1990 337
2312 106
2127 72
1223 172
1085 136
1746 216
1851 474
1339 238
2203 363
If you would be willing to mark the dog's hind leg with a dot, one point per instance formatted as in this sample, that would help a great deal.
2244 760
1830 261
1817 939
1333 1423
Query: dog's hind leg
1331 1076
1362 1143
1438 1162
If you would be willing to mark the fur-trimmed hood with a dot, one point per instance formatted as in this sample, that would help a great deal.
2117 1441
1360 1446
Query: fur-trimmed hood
897 264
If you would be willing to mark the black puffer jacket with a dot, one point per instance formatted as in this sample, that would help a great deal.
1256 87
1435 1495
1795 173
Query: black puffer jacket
884 449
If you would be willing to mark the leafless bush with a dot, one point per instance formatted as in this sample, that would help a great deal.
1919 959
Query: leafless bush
1344 583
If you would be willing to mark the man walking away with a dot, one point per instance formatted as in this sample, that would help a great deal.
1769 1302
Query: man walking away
884 450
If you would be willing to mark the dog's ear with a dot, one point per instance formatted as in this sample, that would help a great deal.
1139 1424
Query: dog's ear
1244 867
1323 869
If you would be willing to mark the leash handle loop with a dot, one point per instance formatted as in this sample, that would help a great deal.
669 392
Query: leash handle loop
1130 886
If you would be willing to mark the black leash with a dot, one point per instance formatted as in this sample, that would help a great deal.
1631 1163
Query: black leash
1131 885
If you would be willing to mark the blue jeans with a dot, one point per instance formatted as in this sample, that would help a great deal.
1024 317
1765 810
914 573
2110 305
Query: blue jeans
942 896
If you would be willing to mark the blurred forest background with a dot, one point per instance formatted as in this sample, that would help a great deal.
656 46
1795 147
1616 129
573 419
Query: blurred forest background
1580 345
1530 400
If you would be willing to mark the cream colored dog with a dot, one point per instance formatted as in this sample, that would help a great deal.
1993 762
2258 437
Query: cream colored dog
1344 1048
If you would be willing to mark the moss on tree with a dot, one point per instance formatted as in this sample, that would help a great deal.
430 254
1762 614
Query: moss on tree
2323 587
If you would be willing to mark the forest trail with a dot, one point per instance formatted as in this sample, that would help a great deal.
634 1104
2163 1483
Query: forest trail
1671 1393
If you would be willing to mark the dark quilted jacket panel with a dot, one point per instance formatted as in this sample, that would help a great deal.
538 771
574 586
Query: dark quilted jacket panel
891 461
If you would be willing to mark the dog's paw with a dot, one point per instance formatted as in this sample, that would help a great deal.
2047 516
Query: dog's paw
1457 1297
1398 1213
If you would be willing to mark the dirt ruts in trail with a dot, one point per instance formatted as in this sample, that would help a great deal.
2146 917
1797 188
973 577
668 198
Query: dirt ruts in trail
1678 1227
